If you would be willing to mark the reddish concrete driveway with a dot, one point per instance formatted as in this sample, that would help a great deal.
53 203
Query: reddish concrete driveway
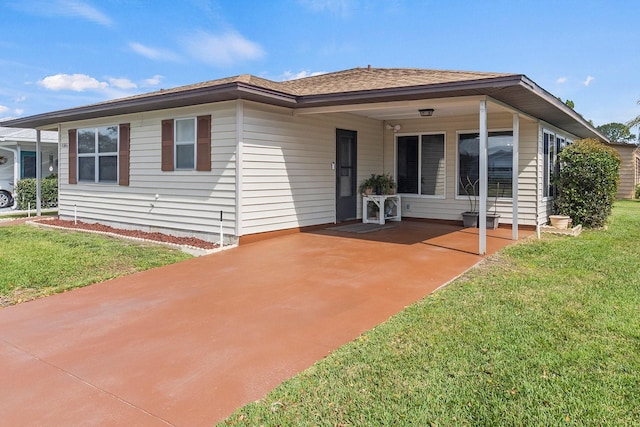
188 343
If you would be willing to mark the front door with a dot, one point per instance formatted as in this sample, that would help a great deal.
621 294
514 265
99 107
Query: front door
346 194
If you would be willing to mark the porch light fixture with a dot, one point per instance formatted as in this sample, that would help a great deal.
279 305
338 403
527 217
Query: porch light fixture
395 128
426 112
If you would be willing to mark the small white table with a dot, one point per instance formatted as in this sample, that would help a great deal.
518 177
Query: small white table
389 208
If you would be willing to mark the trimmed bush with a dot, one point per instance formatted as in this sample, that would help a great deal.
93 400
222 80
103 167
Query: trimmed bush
587 182
638 191
26 192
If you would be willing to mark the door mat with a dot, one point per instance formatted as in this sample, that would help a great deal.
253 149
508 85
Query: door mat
362 228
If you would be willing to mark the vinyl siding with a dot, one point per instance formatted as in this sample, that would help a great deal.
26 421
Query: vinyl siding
451 206
629 155
188 202
287 176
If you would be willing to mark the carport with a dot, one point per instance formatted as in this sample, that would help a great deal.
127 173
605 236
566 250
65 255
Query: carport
188 343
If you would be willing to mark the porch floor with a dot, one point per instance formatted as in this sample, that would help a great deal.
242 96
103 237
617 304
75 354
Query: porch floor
188 343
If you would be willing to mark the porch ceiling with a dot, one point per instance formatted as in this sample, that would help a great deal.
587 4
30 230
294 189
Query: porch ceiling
402 110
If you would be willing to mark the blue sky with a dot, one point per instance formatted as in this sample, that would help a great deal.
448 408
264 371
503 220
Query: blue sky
57 54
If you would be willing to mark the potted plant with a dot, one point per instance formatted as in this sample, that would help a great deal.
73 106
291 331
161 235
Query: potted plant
493 219
470 217
368 185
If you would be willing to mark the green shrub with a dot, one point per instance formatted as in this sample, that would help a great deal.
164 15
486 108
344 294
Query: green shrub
587 182
638 191
26 192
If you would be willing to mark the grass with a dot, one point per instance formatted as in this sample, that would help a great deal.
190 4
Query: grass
545 333
37 262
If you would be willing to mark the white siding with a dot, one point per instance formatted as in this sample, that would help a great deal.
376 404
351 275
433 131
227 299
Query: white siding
287 177
188 202
451 206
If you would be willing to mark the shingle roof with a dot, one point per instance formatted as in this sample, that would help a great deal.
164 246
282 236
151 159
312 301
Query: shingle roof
362 79
353 80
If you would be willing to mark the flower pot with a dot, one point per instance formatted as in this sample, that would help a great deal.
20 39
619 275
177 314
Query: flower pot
560 222
470 219
492 221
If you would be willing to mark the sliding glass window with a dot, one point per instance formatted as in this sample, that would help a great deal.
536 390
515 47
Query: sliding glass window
421 164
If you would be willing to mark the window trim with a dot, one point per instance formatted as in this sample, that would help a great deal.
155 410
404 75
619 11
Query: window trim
194 142
395 156
457 171
96 156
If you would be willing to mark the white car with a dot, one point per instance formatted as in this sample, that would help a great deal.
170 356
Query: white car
6 197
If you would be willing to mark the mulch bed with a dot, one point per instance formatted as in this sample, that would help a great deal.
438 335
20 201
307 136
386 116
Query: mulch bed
157 237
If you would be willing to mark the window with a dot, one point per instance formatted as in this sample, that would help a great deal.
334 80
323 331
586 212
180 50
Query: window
98 154
421 164
500 162
551 146
28 164
186 144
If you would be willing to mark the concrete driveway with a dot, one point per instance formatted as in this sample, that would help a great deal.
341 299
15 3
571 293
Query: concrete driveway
188 343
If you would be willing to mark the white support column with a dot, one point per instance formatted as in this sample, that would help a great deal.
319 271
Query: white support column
515 167
483 154
38 175
239 164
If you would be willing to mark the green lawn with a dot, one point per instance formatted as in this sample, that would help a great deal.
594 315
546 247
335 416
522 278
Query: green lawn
37 262
547 333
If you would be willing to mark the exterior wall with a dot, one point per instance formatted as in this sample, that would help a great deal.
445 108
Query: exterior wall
287 176
629 174
451 206
188 202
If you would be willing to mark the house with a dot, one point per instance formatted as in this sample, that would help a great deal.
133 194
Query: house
18 158
274 156
629 169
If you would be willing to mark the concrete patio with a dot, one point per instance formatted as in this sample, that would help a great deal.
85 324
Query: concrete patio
188 343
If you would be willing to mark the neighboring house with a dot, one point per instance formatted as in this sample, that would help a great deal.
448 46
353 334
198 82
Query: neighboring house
276 156
18 158
629 169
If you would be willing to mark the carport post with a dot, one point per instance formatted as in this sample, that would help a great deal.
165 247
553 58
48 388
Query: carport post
38 173
515 167
483 154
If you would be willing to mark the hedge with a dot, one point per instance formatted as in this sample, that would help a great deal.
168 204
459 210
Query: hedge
587 182
26 192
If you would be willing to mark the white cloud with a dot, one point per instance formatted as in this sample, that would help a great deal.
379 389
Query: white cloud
588 80
335 7
122 83
83 10
69 8
288 75
561 80
74 82
153 81
3 108
222 49
153 53
18 111
21 98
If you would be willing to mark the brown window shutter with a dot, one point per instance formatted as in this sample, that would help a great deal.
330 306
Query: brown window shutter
203 144
123 154
73 157
167 145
